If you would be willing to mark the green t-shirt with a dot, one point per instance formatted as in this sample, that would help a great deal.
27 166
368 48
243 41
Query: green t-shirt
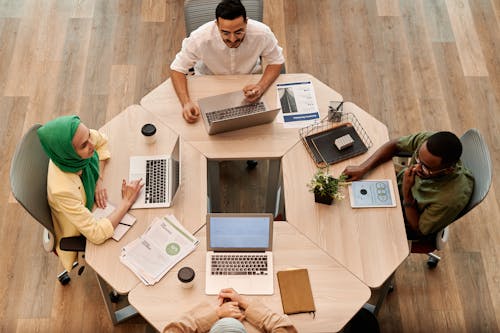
440 199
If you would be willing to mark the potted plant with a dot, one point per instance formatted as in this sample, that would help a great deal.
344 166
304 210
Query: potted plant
325 187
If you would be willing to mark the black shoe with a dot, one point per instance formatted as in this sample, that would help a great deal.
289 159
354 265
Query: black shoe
251 164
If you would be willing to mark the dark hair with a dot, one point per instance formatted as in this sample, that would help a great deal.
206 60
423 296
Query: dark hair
445 145
230 10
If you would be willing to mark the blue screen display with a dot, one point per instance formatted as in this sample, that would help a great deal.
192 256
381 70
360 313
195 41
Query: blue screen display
239 232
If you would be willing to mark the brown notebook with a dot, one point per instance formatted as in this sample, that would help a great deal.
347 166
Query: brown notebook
295 289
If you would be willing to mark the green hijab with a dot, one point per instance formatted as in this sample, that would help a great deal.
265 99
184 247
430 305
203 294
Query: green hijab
56 138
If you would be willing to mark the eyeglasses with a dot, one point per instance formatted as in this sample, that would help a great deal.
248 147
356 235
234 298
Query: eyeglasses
426 170
238 33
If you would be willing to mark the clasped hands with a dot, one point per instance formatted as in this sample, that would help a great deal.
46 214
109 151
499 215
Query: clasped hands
231 304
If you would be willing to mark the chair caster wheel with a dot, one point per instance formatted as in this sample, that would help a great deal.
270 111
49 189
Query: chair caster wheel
114 297
251 164
432 262
64 279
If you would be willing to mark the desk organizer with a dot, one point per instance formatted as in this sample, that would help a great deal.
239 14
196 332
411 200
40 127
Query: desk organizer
319 140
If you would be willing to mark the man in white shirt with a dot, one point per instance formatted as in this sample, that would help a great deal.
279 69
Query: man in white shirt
231 44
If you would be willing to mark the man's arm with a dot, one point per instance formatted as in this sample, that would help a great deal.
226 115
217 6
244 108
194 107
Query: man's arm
190 111
383 154
254 91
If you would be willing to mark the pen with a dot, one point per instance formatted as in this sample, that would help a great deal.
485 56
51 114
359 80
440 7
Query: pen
340 105
128 225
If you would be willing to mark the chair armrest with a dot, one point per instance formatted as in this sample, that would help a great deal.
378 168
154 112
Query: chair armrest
76 243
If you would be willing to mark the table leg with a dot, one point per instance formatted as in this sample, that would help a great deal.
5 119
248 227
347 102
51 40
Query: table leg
274 185
213 177
117 316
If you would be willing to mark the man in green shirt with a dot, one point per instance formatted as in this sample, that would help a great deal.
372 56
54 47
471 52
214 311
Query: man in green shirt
434 188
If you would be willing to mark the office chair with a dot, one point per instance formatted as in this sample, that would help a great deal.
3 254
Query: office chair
476 158
28 182
199 12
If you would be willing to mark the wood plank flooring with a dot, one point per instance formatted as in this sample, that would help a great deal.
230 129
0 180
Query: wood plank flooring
413 64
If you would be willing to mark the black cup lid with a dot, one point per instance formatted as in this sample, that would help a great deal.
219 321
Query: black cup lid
186 274
148 130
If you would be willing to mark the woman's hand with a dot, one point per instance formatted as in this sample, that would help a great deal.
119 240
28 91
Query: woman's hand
230 309
233 296
130 191
101 195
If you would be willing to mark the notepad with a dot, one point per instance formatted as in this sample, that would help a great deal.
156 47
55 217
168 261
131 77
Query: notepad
125 224
295 290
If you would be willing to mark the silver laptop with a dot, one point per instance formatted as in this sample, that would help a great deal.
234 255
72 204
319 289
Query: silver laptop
160 175
239 253
231 111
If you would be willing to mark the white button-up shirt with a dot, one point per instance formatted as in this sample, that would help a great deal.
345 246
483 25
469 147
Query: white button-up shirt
205 50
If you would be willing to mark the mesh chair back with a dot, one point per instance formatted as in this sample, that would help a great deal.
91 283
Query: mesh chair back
198 12
28 178
476 157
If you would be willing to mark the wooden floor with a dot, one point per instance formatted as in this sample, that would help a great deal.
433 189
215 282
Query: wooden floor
413 64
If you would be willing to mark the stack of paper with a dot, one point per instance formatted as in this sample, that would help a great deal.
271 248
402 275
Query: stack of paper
155 252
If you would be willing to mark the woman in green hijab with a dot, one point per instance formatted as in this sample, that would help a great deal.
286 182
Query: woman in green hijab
74 182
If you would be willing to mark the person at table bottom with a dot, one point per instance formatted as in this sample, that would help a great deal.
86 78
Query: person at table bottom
232 309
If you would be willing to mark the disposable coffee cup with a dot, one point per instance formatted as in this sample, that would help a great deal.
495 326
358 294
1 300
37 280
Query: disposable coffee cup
149 131
186 277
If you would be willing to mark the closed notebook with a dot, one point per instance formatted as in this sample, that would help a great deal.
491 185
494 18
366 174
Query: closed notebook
295 289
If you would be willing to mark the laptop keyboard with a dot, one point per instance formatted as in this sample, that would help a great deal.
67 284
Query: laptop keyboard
156 181
241 264
235 112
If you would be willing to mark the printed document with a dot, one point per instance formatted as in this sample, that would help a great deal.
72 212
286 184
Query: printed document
298 104
154 253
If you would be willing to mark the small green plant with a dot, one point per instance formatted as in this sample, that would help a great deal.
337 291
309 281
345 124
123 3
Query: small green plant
323 184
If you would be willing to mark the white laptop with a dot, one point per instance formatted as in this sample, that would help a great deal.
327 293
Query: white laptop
231 111
160 175
239 253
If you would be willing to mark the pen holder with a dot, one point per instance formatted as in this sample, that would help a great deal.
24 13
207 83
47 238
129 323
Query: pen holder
335 109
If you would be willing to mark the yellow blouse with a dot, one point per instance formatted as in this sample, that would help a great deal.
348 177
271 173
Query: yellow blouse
67 201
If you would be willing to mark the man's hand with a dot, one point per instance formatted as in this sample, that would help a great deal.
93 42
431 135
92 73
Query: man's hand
354 172
101 195
230 309
408 182
190 112
252 92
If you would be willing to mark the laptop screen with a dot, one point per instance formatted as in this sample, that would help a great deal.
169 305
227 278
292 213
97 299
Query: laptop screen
239 232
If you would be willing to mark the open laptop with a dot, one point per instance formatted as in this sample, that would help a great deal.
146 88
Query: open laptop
231 111
239 253
160 175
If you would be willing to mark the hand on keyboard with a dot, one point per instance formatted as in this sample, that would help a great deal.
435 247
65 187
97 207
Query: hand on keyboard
252 92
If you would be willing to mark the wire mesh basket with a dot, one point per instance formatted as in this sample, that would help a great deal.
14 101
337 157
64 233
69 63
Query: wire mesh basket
319 138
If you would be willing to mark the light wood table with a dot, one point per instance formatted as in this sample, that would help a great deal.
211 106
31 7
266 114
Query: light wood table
370 242
338 295
190 202
264 141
